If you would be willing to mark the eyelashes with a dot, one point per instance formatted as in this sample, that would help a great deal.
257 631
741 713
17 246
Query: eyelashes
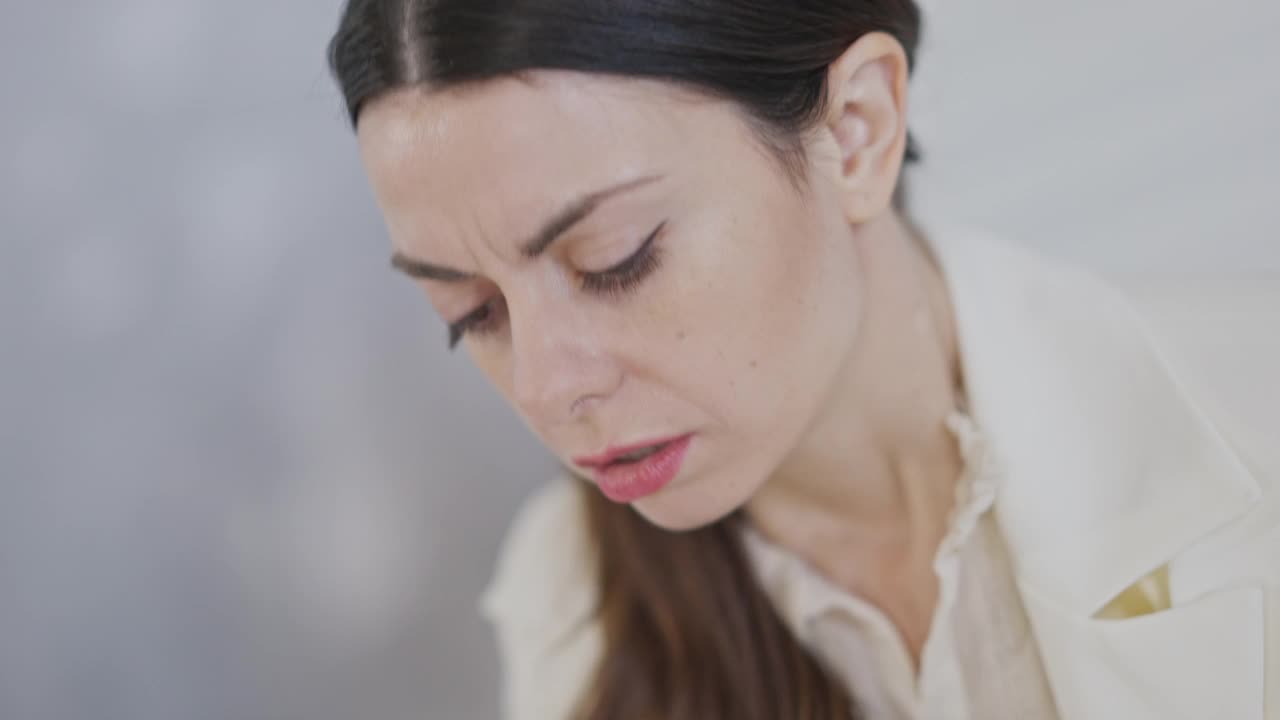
626 275
612 283
476 320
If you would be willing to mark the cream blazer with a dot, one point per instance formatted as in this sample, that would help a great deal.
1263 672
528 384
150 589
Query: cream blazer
1139 425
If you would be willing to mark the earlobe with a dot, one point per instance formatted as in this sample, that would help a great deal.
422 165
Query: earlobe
867 101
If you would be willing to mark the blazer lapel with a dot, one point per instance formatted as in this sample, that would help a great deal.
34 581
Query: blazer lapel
1111 472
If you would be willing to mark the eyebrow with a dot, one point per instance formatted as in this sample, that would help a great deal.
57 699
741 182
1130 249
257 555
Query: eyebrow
552 230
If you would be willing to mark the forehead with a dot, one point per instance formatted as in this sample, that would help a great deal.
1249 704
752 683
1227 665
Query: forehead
512 147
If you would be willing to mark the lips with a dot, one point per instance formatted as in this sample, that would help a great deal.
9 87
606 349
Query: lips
622 452
626 475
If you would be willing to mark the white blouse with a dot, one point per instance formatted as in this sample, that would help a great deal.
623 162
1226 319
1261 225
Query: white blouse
979 662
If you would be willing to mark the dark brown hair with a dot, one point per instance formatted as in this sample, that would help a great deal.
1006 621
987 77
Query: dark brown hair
689 632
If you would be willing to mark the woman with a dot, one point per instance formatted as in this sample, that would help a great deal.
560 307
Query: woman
822 463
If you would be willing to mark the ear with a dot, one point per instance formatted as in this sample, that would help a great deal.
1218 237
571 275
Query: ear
867 120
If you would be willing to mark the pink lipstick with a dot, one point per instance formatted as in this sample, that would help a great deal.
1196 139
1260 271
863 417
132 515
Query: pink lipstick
628 474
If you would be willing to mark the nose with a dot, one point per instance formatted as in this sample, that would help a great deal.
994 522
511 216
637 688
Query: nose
561 368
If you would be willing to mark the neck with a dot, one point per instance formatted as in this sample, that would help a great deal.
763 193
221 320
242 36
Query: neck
875 475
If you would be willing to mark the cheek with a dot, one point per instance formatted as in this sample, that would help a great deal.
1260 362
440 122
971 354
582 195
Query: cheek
762 371
764 311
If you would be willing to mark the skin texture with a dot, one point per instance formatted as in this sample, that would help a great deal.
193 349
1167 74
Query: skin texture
800 332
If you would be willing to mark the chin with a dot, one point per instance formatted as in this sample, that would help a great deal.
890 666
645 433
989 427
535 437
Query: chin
681 509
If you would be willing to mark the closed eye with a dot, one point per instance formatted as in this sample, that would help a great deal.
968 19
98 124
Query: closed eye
483 319
630 272
613 282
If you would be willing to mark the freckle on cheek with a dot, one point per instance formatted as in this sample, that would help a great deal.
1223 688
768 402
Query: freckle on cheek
680 335
754 364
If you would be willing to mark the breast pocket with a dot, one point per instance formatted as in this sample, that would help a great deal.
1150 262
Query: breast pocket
1197 661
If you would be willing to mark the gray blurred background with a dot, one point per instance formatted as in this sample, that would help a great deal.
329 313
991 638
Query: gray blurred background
239 475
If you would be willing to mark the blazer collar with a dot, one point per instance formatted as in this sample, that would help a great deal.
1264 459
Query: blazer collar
1111 470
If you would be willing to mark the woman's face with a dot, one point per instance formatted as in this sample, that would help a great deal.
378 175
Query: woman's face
695 294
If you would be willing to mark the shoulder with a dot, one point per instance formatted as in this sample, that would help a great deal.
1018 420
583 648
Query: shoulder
540 602
1221 338
545 562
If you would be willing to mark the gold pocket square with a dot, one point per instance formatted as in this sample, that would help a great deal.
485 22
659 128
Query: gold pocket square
1148 595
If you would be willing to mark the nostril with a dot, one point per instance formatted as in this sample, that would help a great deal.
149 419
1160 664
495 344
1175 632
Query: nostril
582 404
